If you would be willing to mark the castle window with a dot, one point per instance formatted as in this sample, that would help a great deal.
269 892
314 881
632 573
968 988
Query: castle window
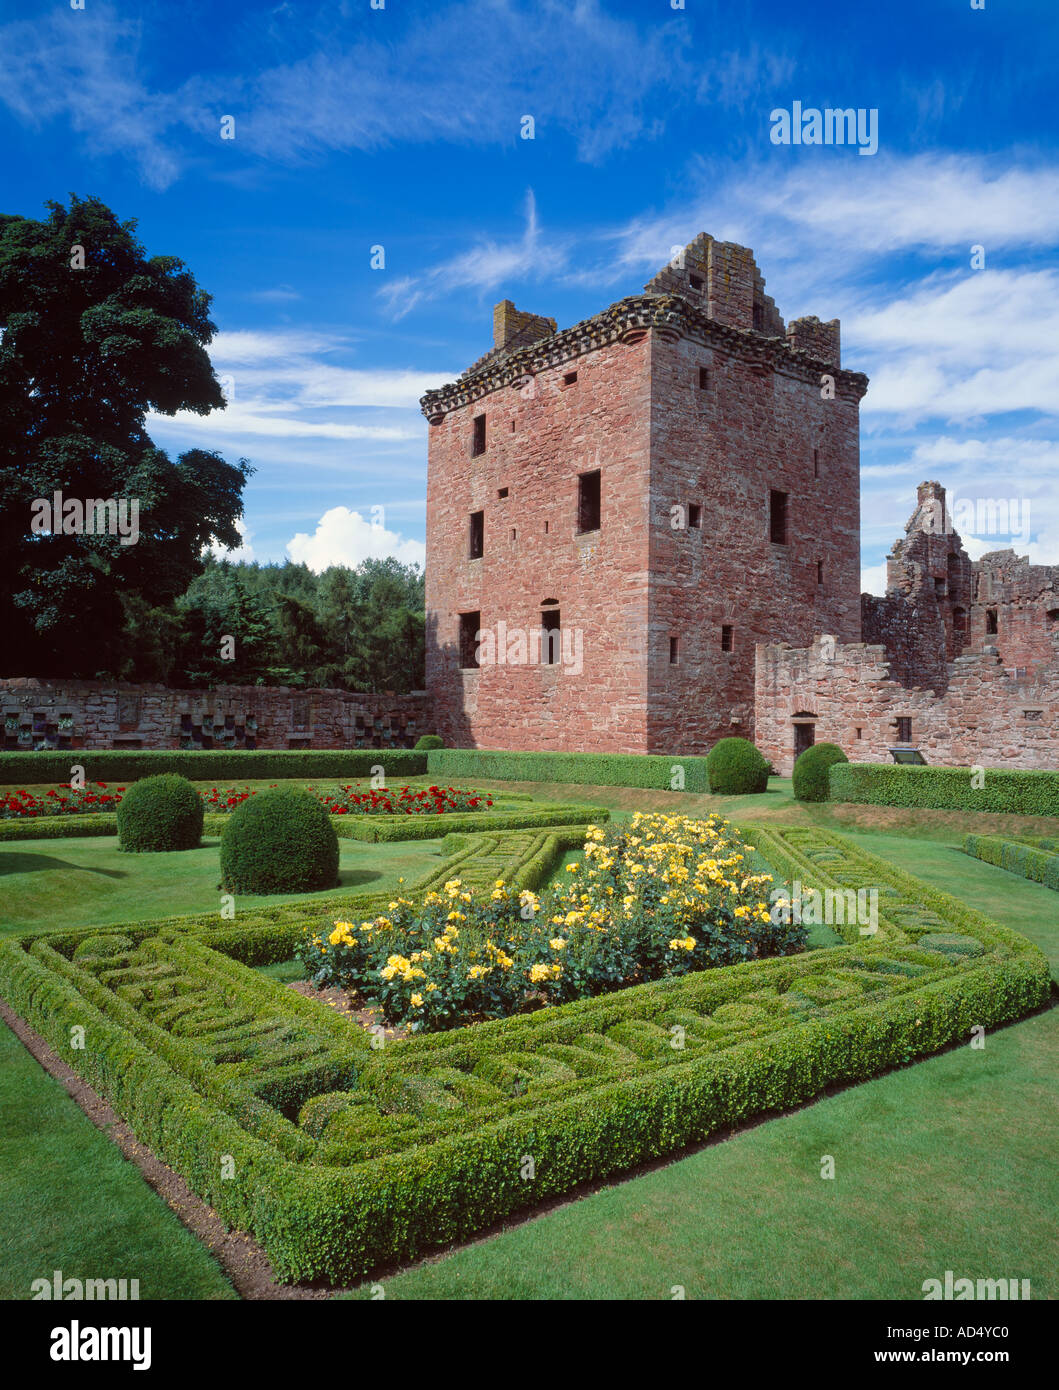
940 587
478 439
512 533
1053 616
704 378
476 536
501 492
860 733
990 621
470 625
959 620
819 571
545 528
588 501
778 517
726 638
695 516
551 636
695 281
816 463
569 378
904 730
674 651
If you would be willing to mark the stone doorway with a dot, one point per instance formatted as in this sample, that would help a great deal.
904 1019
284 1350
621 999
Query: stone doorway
804 736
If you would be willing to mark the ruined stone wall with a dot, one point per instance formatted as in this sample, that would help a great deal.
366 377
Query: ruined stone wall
89 714
984 718
1025 600
542 431
756 427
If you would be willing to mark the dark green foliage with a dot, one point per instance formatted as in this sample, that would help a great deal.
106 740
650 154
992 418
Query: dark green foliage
279 841
736 768
1024 793
85 354
949 944
1035 862
160 813
810 771
430 741
658 771
209 765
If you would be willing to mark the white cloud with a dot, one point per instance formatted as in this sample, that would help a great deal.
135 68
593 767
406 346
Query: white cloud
344 537
245 551
873 579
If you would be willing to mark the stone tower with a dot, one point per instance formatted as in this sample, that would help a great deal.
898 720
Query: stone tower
656 489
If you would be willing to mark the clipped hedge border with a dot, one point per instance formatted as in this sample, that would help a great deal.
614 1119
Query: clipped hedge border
1038 865
373 829
650 771
438 1182
208 765
1018 792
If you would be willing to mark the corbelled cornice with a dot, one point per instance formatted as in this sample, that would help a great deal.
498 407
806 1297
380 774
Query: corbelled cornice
668 314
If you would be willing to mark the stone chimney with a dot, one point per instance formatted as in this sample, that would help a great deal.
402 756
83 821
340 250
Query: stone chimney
514 328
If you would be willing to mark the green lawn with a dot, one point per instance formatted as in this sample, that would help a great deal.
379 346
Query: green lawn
51 884
70 1201
944 1165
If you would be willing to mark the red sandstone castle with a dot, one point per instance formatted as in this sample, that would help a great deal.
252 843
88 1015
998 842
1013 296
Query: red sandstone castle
643 535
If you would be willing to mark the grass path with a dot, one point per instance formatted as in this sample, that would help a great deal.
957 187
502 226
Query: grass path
46 885
70 1201
943 1165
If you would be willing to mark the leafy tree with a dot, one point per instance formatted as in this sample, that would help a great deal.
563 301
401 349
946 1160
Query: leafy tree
94 335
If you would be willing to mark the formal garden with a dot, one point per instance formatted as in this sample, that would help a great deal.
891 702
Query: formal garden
462 1023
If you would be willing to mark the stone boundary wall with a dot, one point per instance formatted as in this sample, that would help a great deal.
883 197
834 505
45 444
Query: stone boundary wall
986 716
91 714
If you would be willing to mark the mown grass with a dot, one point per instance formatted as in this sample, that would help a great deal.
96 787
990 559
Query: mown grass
70 1201
943 1165
51 884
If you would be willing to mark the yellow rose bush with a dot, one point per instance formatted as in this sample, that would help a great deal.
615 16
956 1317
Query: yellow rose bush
658 896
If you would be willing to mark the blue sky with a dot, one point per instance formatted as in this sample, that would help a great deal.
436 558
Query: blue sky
400 127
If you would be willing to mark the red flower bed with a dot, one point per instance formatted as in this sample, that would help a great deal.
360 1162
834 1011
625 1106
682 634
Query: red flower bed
60 801
343 801
409 801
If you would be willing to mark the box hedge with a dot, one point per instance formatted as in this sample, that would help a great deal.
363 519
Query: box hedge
1038 865
661 772
280 841
158 814
809 779
1018 792
208 765
736 768
431 1145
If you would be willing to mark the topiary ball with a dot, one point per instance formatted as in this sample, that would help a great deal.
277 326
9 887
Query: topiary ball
430 741
279 841
810 771
160 813
736 768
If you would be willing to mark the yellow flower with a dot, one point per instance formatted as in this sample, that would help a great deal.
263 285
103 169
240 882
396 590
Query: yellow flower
557 943
416 1001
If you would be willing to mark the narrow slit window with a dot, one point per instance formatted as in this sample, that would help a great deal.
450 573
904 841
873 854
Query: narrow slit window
991 621
551 637
819 571
694 516
726 637
478 438
476 536
470 625
704 378
904 730
588 501
674 651
778 517
816 463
